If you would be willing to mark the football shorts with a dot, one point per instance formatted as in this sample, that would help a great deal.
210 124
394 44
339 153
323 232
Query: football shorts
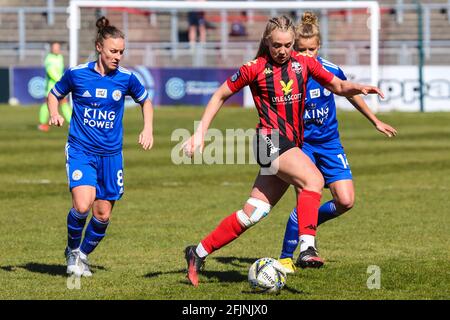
330 158
268 147
105 173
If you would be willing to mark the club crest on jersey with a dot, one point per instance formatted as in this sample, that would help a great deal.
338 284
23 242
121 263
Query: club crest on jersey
296 67
116 95
101 93
326 92
235 76
286 87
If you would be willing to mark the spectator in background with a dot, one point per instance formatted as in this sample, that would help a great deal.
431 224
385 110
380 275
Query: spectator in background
54 69
197 26
238 26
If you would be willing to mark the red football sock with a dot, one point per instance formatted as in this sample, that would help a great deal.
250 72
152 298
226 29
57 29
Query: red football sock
308 203
228 230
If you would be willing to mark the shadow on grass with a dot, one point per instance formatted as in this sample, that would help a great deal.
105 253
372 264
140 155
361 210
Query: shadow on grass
43 268
285 288
236 261
229 276
221 276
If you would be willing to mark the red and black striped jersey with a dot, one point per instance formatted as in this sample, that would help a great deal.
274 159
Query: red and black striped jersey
279 91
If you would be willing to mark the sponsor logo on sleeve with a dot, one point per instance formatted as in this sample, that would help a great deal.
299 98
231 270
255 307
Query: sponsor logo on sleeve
235 76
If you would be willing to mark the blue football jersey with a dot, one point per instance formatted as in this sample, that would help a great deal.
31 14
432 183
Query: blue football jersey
98 106
320 109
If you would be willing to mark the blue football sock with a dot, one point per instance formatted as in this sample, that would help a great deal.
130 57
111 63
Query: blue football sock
290 241
327 212
95 232
75 226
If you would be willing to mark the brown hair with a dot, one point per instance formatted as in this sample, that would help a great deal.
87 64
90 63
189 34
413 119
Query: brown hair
282 23
105 31
309 26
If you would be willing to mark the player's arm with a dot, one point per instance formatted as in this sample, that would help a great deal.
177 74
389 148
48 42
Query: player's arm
336 85
146 135
243 77
55 118
350 89
362 107
212 108
140 95
58 92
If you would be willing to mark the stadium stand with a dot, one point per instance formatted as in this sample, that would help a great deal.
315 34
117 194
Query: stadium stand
25 32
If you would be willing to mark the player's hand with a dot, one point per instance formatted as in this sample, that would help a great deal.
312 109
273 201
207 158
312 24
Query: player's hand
56 120
146 139
196 141
386 129
365 90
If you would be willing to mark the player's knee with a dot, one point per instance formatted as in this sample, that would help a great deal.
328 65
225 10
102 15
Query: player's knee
253 212
102 215
345 203
313 183
82 207
104 218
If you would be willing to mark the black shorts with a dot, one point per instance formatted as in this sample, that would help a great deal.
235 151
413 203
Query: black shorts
196 18
268 147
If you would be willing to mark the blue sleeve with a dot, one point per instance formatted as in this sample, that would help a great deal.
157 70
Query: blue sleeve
341 75
136 90
63 86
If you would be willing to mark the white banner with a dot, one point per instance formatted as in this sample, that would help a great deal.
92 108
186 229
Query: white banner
400 85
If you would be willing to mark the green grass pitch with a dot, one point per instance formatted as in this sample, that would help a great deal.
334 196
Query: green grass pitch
400 221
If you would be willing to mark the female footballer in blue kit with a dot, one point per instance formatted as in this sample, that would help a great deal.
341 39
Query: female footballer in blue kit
94 160
322 143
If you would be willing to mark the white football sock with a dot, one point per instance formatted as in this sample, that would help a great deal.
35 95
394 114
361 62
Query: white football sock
306 241
201 252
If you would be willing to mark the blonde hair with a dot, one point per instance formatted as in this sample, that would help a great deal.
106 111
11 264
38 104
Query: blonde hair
309 26
282 23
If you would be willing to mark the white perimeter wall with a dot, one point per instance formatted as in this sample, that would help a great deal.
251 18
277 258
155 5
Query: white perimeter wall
400 85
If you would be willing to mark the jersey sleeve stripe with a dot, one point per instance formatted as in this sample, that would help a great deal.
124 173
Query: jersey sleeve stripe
143 96
329 64
81 66
56 93
123 70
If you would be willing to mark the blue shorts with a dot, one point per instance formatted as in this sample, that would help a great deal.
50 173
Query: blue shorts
105 173
329 157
